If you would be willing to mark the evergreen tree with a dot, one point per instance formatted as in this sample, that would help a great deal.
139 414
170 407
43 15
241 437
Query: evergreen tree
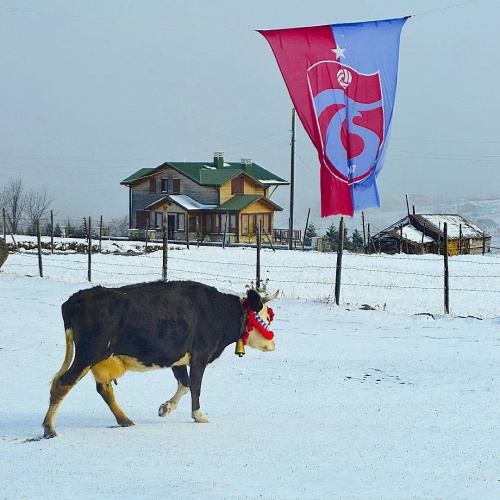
332 237
311 231
357 242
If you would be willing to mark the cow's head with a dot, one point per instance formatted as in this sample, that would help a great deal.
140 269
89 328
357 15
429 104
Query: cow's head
259 335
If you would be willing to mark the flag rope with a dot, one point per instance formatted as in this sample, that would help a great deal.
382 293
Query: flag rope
187 26
444 8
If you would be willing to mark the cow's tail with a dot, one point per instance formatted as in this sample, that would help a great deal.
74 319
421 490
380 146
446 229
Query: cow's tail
68 357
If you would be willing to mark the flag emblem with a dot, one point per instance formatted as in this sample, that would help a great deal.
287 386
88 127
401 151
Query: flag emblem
350 122
344 77
342 82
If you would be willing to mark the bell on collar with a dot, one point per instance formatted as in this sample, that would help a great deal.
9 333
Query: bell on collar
240 348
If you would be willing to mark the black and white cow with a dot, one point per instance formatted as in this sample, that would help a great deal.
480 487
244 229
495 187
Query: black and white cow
147 326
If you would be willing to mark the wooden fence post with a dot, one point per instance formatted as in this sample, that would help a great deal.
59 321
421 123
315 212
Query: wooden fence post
339 261
446 272
100 235
269 240
224 233
187 230
305 229
364 232
259 239
90 250
51 231
146 242
39 241
165 243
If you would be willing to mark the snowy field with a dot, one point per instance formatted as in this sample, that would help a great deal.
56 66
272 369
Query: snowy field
395 402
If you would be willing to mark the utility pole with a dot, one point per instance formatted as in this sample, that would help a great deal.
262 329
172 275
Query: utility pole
292 180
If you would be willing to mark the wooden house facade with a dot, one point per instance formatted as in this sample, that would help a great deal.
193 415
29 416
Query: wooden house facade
424 233
203 201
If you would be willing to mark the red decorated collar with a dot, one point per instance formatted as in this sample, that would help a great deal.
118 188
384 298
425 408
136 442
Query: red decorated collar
255 321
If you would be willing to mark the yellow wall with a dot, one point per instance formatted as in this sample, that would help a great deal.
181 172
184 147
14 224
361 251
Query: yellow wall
249 188
258 207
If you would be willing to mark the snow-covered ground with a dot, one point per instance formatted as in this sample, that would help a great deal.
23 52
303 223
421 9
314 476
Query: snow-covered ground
397 402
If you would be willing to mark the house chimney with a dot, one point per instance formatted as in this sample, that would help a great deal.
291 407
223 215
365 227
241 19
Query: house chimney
219 159
245 162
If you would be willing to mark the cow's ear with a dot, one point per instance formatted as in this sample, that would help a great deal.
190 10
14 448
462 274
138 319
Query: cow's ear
254 300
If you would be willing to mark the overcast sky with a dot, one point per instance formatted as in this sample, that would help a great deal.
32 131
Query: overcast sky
92 91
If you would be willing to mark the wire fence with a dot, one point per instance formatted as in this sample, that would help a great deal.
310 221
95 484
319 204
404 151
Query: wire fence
392 282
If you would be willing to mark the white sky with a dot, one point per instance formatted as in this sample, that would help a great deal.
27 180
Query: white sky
93 91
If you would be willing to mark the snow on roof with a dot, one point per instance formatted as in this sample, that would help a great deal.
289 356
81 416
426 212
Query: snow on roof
272 181
411 233
454 222
188 203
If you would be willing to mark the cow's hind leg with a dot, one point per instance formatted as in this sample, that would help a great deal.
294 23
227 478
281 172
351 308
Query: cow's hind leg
64 380
105 389
60 387
182 377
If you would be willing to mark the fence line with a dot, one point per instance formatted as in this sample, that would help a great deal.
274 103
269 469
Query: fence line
150 269
274 266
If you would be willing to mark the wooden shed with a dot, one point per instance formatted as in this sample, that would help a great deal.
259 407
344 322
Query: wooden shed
424 233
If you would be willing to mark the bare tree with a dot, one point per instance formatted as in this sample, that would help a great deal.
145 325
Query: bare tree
13 200
37 205
118 226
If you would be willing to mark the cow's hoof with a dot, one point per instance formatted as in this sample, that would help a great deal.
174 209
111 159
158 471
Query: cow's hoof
49 432
165 409
199 418
126 423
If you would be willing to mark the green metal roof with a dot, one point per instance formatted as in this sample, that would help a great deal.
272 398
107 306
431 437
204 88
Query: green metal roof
241 201
206 174
143 172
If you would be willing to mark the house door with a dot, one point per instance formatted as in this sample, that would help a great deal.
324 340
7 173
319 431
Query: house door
171 226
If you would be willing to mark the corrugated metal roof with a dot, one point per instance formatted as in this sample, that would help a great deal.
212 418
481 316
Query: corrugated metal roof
143 172
453 223
206 174
184 201
411 233
241 201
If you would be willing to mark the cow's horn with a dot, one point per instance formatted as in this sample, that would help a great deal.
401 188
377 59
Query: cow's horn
267 298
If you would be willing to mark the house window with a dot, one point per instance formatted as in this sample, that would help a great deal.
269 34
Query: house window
181 222
142 219
228 221
212 223
194 224
158 216
250 223
152 186
176 186
164 185
238 185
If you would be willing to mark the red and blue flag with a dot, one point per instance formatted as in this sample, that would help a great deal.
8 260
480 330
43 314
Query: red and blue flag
342 82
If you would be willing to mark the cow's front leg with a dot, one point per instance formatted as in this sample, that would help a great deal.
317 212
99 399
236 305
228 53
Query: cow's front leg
195 378
182 377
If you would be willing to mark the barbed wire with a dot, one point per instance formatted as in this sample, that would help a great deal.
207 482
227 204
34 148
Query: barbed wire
270 267
149 270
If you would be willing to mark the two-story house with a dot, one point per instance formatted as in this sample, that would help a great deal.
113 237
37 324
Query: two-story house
205 200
